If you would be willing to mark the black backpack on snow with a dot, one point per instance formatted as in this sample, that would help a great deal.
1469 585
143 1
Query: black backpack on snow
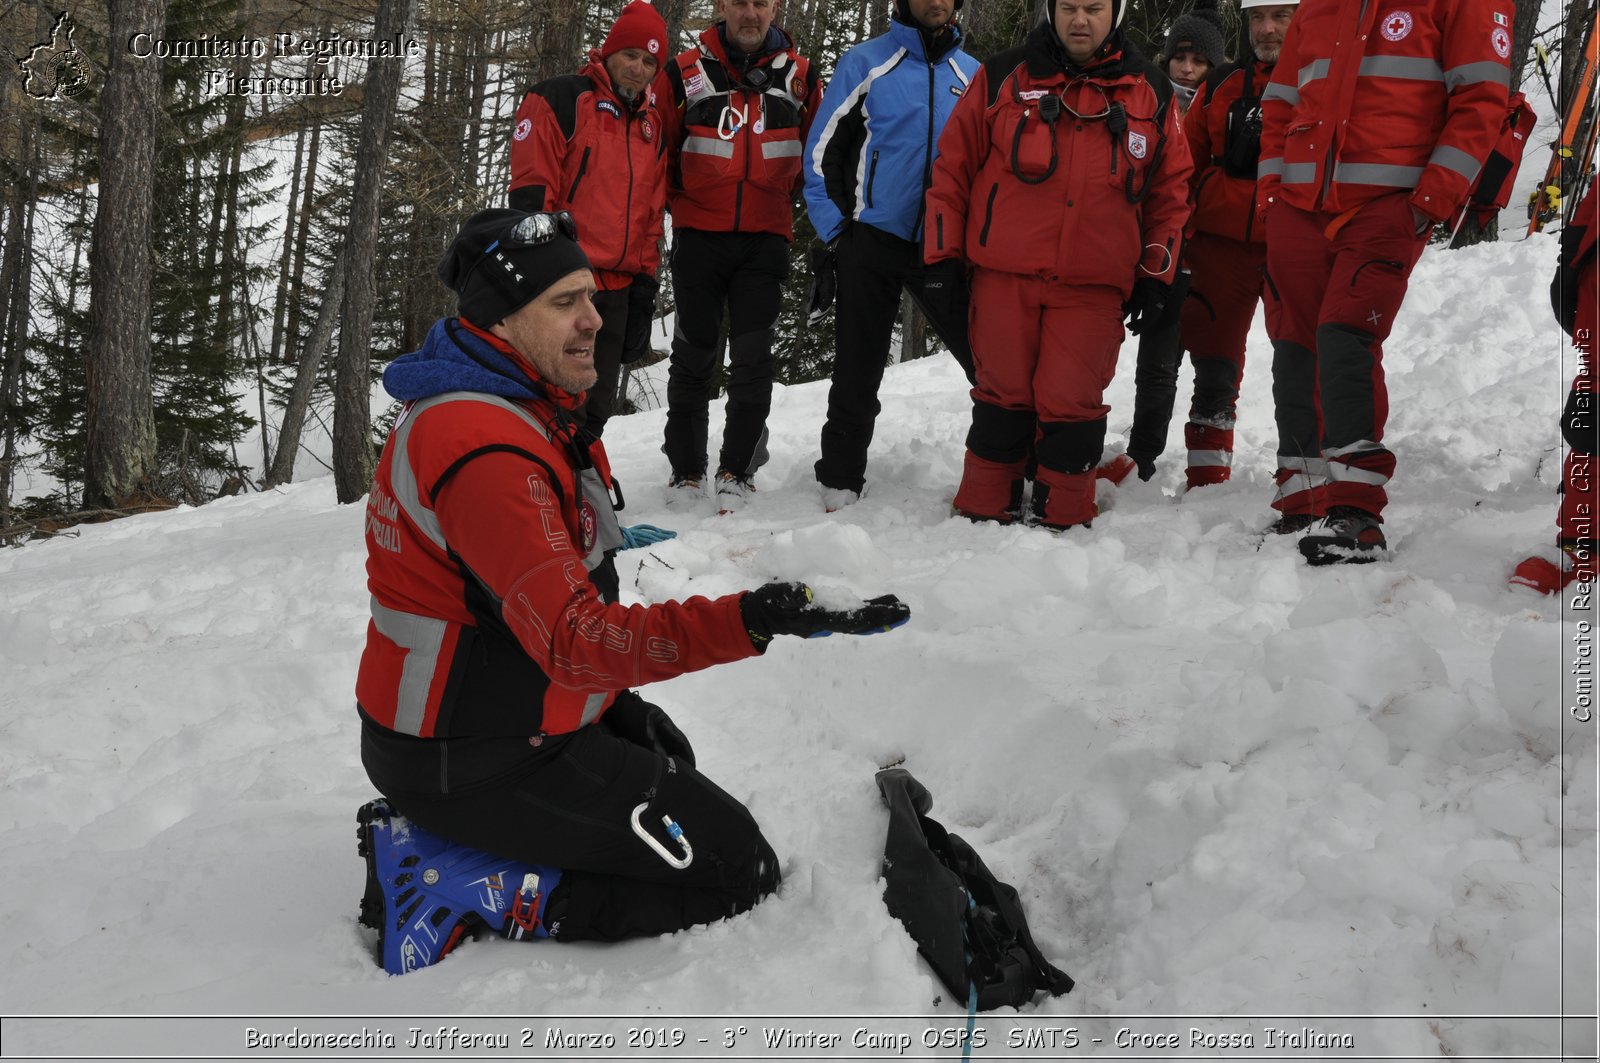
967 924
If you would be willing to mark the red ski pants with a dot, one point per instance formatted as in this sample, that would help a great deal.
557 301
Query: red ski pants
1225 284
1044 354
1334 286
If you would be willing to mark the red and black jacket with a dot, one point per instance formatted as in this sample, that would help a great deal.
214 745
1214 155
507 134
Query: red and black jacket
578 146
1375 97
738 134
1224 131
1100 199
490 531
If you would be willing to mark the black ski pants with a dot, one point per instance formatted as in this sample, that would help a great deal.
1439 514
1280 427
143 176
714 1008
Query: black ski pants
602 400
1155 378
569 802
742 273
873 268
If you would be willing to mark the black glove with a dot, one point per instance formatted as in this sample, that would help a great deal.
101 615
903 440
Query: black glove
824 282
1143 308
635 719
788 609
1147 466
641 315
944 288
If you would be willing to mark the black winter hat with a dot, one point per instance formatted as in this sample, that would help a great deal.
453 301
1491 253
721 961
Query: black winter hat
1201 30
496 265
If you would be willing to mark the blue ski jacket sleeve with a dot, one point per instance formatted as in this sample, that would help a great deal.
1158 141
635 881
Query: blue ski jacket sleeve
878 132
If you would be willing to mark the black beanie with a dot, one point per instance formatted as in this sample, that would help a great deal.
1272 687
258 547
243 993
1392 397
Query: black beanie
1199 30
491 285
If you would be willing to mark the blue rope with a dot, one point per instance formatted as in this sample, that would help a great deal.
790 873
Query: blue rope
972 983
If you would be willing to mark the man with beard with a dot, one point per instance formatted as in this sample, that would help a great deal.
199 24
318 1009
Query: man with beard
528 789
1062 179
591 143
742 104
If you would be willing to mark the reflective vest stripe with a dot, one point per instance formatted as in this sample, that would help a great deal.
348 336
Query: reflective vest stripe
592 706
1286 93
1455 160
781 149
1373 173
1270 167
422 637
1314 71
1477 74
403 482
1408 68
1298 173
708 146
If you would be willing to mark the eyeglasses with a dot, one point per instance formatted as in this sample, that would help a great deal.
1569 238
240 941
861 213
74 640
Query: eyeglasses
531 231
1105 103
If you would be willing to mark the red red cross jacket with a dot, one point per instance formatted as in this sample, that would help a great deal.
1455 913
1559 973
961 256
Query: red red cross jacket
1371 97
737 138
1070 200
579 147
1225 151
489 537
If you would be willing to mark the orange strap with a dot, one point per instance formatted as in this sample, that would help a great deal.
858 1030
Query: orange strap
1339 223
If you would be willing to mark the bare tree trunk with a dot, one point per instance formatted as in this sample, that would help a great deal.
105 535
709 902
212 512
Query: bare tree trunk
1523 27
121 413
913 331
16 282
305 380
353 460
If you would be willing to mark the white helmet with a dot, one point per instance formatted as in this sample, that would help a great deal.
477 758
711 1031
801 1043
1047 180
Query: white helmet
1245 5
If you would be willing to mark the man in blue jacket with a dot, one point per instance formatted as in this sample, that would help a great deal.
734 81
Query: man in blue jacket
868 161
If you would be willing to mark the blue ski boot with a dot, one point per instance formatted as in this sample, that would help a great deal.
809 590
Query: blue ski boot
424 894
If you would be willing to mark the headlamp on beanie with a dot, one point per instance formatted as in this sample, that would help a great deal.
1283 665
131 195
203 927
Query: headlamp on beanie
503 259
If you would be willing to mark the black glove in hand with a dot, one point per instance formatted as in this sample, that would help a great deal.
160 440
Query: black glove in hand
1143 308
944 288
788 609
824 283
635 719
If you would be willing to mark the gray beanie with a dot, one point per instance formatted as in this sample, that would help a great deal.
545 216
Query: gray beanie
1199 30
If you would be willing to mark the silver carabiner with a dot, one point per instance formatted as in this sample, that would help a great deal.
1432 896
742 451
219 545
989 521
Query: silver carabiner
673 830
740 116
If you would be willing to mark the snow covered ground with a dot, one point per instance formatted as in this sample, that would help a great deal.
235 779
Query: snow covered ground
1225 784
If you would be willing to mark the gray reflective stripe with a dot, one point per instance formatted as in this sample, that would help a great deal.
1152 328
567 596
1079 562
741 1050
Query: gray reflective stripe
778 149
1299 173
1360 446
1210 457
1313 72
1270 167
421 637
591 708
960 74
1288 94
708 146
1372 173
1455 160
1339 472
608 531
1477 74
1411 68
1310 473
403 478
1294 463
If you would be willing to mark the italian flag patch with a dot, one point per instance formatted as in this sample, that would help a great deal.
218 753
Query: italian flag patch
1501 20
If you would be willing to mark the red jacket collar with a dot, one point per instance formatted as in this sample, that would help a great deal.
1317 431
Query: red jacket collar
563 399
